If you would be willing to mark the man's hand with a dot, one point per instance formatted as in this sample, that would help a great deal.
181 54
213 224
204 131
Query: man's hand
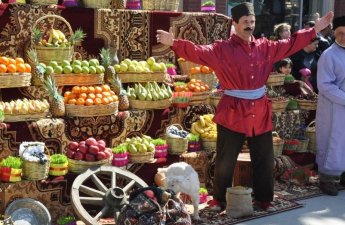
323 22
166 38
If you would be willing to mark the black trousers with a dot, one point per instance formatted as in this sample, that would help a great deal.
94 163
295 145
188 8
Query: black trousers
229 145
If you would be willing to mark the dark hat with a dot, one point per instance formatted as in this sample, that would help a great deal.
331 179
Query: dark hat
338 22
243 9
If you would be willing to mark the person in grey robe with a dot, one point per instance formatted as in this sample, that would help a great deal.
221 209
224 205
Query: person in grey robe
330 121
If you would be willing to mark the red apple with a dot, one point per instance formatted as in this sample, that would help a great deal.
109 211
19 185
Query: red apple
89 157
91 141
101 156
83 148
79 155
93 149
101 147
73 145
82 143
70 153
108 153
101 142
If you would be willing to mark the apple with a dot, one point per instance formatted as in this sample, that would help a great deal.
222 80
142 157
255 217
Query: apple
85 63
89 157
156 67
132 68
117 68
79 155
93 62
67 69
140 69
65 63
151 60
101 156
93 149
76 69
123 67
53 64
91 141
82 142
101 147
108 152
58 69
163 66
49 70
70 154
99 69
76 62
101 142
85 70
92 70
83 148
73 145
127 61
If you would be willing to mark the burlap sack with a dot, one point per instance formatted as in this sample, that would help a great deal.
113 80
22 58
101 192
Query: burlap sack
239 202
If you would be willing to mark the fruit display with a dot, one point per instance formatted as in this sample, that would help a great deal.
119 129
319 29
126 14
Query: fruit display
24 106
175 132
90 95
205 127
151 91
91 66
200 69
56 38
139 145
193 85
89 150
146 66
9 65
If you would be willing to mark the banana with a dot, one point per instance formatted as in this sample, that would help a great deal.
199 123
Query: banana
198 129
202 121
207 117
193 129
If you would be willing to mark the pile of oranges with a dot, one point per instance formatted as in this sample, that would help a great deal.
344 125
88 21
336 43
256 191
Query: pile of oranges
193 85
90 95
200 69
13 65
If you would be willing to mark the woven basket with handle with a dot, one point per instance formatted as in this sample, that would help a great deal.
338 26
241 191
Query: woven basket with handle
176 145
47 54
310 132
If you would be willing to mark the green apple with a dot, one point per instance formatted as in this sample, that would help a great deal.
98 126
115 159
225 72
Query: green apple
156 67
49 70
99 69
150 60
132 68
76 68
102 68
92 70
123 67
65 63
127 61
76 63
85 70
146 69
68 69
85 63
140 69
117 68
53 64
163 66
93 62
58 69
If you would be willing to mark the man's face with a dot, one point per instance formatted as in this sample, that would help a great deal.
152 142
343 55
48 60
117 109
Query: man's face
339 34
245 26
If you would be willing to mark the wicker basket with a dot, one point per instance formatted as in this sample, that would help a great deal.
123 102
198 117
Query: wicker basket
106 4
208 144
44 2
307 104
26 117
302 145
163 5
159 104
275 79
311 134
185 66
279 105
290 146
8 80
176 145
199 98
93 110
78 79
141 157
36 170
142 77
47 54
79 166
208 78
278 144
58 169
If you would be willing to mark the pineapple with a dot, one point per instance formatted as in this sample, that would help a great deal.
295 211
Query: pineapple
116 85
77 37
37 71
109 73
57 106
36 36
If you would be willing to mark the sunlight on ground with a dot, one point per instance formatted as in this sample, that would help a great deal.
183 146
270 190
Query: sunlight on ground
323 221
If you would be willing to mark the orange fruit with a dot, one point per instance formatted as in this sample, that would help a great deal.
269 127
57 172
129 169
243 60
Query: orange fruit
12 61
72 101
91 89
3 68
65 100
89 101
11 68
97 101
105 101
98 89
67 94
194 70
76 90
27 68
83 89
19 60
106 94
4 60
197 89
112 92
192 81
80 101
205 69
105 87
21 67
115 98
83 95
99 95
91 95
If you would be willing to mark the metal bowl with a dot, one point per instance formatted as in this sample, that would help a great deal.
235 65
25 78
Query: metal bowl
28 211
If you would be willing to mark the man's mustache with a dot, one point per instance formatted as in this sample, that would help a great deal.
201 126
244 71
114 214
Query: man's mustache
248 29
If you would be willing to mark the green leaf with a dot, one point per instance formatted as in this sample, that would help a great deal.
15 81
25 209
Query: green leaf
58 159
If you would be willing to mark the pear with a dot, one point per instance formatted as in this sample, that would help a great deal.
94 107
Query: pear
8 109
32 108
169 91
142 148
132 149
148 96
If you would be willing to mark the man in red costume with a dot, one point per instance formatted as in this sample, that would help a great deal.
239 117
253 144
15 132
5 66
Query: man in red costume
242 65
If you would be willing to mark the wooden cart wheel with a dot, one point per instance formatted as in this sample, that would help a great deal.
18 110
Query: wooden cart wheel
101 192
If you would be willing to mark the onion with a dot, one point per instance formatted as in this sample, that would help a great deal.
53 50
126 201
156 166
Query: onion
159 179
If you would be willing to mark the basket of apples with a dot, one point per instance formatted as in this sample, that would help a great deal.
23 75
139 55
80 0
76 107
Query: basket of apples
87 154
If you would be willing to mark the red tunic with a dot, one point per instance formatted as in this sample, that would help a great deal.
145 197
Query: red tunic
242 65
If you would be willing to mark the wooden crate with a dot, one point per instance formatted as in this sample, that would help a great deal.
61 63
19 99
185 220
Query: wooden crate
243 171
